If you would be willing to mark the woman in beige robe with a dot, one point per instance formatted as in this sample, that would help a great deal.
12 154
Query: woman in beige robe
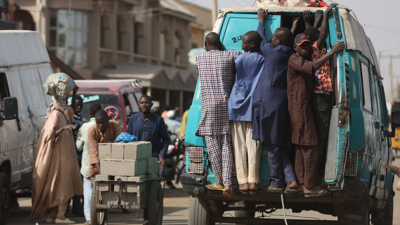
56 176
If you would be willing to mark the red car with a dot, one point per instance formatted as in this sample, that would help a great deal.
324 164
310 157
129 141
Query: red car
118 97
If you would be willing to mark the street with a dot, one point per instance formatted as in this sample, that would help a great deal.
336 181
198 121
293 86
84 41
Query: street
176 205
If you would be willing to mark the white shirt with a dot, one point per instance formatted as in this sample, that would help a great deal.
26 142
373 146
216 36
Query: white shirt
82 143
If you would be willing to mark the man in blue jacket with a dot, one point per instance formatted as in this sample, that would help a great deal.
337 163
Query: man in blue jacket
270 120
147 126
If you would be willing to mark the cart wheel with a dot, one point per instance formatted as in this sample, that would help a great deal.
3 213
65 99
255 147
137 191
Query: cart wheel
156 203
97 216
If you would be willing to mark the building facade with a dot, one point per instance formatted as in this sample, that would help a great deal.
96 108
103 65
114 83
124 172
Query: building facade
122 39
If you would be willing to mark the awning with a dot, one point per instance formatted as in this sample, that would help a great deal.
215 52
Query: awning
151 75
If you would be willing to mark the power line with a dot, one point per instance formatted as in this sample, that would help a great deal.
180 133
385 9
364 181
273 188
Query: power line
382 28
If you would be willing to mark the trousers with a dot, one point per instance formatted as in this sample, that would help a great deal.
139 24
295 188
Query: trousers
58 211
322 107
220 154
87 196
281 169
247 152
305 164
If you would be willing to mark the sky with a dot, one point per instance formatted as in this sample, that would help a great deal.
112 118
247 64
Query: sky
379 20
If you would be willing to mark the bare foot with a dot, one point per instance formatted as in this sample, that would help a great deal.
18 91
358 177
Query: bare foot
293 185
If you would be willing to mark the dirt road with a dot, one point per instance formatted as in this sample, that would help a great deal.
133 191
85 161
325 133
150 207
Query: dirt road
176 205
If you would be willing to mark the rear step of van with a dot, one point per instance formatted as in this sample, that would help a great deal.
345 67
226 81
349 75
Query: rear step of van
274 221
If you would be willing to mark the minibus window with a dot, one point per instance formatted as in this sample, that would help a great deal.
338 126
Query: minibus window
366 87
4 91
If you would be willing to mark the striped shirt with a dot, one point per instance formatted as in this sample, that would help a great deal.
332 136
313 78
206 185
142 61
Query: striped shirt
216 71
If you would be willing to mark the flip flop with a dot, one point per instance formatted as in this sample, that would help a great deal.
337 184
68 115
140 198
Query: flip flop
314 195
214 187
227 193
270 189
291 190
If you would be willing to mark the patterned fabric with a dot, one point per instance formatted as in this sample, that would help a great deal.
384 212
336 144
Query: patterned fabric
216 70
220 154
324 76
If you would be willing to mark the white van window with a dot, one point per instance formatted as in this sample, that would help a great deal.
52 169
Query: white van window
4 90
366 87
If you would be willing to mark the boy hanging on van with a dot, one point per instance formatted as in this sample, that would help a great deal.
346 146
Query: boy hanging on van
216 72
270 116
300 87
247 151
321 100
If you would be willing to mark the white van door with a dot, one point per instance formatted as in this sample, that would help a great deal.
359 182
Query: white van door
18 146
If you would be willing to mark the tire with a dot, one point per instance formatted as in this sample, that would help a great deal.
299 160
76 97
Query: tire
199 212
243 214
384 217
5 198
156 203
97 216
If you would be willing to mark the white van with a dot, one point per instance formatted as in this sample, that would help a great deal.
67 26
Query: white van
24 67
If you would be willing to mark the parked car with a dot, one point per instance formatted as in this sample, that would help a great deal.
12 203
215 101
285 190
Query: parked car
24 67
359 137
119 97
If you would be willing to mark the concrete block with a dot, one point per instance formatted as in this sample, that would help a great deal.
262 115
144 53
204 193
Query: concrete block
104 150
137 178
104 187
151 176
132 188
117 151
138 150
118 167
102 177
152 165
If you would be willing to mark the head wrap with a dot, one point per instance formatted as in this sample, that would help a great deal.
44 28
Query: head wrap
171 114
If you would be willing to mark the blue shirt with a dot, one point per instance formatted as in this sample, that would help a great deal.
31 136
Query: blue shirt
270 115
249 68
153 130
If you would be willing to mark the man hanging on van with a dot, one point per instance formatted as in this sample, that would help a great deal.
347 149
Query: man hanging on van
247 151
56 175
300 87
321 101
270 120
216 72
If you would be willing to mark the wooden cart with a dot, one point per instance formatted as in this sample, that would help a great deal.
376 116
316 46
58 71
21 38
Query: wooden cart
112 194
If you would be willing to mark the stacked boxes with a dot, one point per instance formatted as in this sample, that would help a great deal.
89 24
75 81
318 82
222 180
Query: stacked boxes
130 162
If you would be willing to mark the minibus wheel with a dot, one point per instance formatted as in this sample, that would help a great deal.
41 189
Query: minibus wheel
384 217
5 198
199 212
244 214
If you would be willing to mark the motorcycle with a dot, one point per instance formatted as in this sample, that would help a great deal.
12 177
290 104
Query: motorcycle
174 160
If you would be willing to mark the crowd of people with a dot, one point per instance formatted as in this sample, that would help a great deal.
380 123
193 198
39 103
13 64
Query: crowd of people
67 155
281 98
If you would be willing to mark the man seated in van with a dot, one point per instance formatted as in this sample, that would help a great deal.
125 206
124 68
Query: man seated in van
82 144
300 87
321 100
216 73
105 131
270 116
246 150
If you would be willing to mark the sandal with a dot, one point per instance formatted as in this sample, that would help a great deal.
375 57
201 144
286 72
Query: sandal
214 187
291 190
273 189
317 194
244 188
253 188
227 192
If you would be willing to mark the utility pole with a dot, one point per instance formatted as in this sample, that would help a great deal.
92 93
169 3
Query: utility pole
214 11
391 78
